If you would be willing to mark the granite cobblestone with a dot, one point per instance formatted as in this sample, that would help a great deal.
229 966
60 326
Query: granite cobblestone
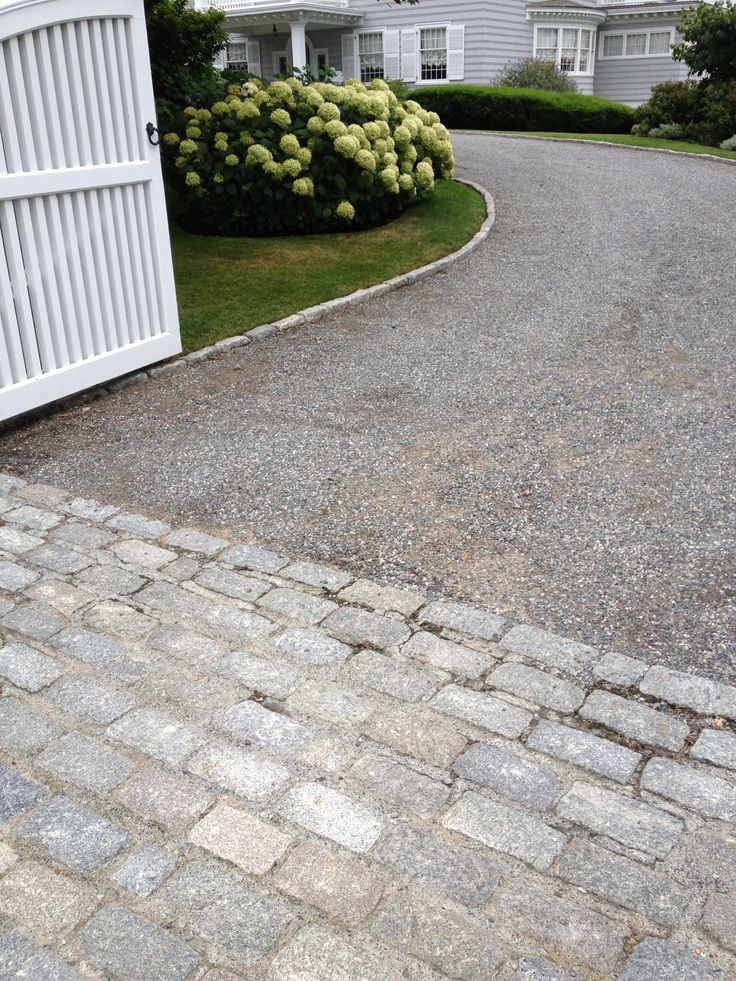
188 781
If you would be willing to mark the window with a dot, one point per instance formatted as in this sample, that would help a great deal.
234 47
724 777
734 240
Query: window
433 53
659 42
236 55
613 45
586 50
636 44
571 48
547 43
568 55
370 56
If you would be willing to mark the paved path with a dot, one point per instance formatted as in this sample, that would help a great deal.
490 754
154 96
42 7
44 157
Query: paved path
217 763
546 429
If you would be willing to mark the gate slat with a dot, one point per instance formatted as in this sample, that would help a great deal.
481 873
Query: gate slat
29 259
141 223
124 250
127 99
103 90
112 259
48 97
102 338
47 282
76 277
89 88
60 75
16 92
139 274
12 363
24 313
35 113
56 236
102 274
8 128
82 123
111 62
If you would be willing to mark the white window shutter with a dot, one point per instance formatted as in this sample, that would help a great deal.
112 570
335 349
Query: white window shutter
254 57
391 57
348 57
409 55
456 52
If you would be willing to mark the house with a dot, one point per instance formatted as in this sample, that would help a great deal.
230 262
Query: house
618 49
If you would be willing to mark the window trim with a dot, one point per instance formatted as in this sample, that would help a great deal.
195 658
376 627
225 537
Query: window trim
561 26
241 44
369 30
428 27
418 28
625 35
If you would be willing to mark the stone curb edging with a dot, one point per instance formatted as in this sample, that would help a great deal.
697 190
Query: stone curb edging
307 316
621 146
312 314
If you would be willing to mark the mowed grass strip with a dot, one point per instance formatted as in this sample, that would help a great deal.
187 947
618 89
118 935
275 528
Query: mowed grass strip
628 140
227 286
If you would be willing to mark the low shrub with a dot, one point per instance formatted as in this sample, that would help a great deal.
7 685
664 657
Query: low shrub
704 111
295 158
671 131
534 73
670 102
498 107
729 144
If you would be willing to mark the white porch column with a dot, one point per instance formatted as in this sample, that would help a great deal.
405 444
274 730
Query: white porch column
298 43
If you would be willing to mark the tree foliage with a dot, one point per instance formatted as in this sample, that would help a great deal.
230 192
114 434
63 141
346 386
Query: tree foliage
709 40
183 44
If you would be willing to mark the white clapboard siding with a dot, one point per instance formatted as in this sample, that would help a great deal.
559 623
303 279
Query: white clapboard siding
86 282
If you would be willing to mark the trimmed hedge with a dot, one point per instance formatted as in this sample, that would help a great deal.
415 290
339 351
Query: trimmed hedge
499 107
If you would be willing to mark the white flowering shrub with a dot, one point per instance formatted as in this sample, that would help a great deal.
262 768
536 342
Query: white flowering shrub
294 158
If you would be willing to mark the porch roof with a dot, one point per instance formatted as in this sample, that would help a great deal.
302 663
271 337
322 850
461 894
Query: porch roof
261 15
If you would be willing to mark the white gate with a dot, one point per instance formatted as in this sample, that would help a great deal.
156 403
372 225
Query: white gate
86 281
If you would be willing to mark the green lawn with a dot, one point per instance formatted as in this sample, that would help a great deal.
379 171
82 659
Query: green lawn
227 286
633 141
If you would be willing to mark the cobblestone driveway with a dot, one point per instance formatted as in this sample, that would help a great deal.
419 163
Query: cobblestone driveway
547 429
217 763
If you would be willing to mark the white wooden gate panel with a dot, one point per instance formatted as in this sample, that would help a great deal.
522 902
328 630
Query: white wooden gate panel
86 281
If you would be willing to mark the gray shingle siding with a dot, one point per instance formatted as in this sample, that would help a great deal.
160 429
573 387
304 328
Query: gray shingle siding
630 80
496 32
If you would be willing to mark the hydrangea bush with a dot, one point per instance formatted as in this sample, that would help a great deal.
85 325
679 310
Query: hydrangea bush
295 158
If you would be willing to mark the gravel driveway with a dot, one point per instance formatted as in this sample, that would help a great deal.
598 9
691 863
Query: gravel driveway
546 429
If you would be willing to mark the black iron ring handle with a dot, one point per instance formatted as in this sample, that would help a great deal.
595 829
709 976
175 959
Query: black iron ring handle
151 131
